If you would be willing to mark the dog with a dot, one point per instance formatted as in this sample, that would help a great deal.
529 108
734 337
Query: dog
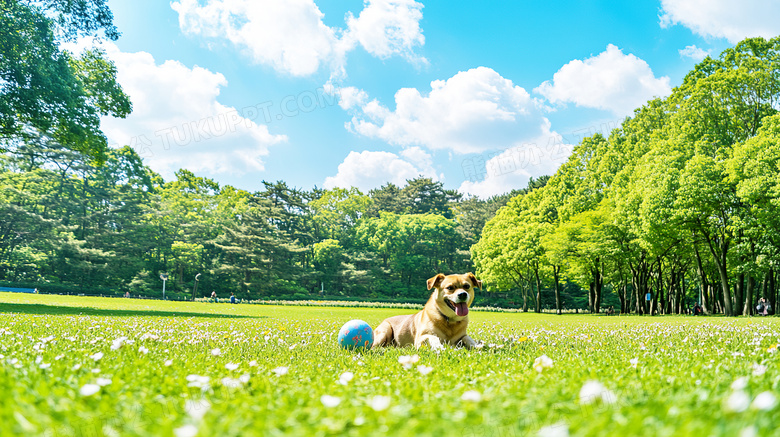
443 320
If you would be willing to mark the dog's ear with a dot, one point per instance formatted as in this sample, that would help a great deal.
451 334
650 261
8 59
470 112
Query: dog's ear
435 281
476 282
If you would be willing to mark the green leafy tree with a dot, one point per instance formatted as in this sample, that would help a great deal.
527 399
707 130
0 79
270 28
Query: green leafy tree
47 90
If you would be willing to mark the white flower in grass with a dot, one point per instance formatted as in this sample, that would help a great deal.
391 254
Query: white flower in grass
216 352
739 383
471 396
244 378
408 360
168 363
197 408
95 370
143 350
330 401
424 370
345 378
281 371
76 367
379 403
759 369
559 429
45 366
750 431
201 382
231 383
231 366
634 362
118 343
738 401
593 391
253 363
97 356
89 389
543 362
103 382
764 401
186 431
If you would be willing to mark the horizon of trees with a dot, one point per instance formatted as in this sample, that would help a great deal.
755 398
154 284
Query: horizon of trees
69 222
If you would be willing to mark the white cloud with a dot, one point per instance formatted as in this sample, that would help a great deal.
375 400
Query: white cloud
350 97
291 37
611 81
512 169
724 18
388 27
367 170
177 121
695 53
473 111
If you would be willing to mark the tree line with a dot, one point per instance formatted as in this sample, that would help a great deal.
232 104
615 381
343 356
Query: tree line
680 204
117 226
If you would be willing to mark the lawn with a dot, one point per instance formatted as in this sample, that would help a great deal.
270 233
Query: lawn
78 366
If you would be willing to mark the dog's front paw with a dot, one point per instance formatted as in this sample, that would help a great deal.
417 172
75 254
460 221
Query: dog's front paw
468 342
432 341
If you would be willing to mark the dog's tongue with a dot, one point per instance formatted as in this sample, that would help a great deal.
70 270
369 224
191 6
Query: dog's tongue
461 309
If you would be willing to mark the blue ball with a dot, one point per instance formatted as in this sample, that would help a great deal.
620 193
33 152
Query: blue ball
356 334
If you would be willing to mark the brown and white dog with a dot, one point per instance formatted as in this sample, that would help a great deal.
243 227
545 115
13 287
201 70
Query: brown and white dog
443 320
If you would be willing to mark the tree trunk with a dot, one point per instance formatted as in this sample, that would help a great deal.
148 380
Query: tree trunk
659 292
707 305
525 299
769 292
556 272
724 276
748 309
599 286
622 297
538 291
591 297
739 295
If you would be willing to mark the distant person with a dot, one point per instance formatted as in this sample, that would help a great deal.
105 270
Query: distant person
610 310
697 310
127 294
232 298
214 295
763 307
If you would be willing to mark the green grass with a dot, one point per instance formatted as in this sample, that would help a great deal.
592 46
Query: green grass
683 382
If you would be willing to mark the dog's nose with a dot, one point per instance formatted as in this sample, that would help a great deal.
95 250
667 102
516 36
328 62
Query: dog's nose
463 296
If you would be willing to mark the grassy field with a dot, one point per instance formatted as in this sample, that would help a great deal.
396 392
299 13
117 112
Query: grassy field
76 366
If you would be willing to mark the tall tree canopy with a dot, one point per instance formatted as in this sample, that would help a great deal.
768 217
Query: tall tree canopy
47 91
680 193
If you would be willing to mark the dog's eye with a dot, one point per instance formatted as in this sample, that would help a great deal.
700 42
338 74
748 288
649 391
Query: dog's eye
466 287
450 287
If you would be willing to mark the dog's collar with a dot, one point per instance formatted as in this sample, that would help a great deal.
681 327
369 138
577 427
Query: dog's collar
443 315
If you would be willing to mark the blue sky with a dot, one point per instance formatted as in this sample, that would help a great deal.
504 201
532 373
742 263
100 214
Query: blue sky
478 95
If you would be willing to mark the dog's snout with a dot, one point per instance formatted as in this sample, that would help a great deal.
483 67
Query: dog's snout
463 296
